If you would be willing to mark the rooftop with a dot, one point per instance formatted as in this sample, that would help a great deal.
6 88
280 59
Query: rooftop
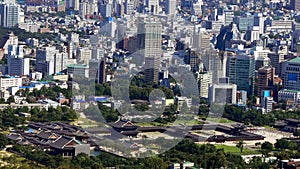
293 91
295 60
77 66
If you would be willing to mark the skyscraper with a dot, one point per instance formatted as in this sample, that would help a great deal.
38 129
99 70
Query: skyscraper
241 71
9 14
170 7
149 39
214 63
152 65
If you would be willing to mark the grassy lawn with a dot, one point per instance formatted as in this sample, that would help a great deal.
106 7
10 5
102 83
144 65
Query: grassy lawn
85 123
236 150
269 127
221 120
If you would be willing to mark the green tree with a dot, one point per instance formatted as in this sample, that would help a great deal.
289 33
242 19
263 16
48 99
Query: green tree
3 141
266 148
240 145
296 133
11 99
282 144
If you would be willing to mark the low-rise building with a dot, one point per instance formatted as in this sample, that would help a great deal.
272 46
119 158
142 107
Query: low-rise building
181 100
9 81
289 95
222 94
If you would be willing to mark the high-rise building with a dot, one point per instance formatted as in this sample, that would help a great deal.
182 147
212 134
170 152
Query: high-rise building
9 39
187 5
83 9
245 23
201 39
88 7
276 59
197 8
259 21
9 13
149 38
228 17
17 64
152 65
214 63
291 74
110 28
265 79
84 55
129 7
204 80
50 61
191 58
106 10
170 7
295 5
241 71
72 4
153 6
101 72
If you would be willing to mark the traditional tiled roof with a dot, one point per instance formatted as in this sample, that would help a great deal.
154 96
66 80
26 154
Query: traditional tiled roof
24 142
46 135
63 141
131 132
130 145
123 123
15 136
